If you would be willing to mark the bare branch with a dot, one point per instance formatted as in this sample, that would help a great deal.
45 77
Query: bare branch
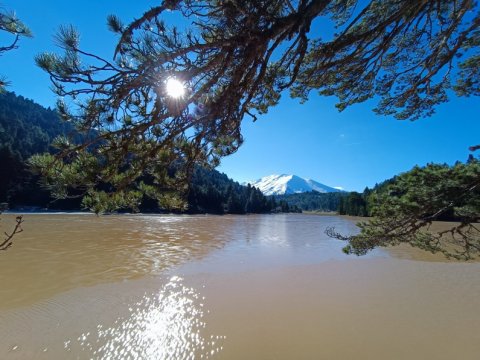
8 240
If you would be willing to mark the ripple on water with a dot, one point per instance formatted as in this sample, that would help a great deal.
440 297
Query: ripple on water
167 323
62 252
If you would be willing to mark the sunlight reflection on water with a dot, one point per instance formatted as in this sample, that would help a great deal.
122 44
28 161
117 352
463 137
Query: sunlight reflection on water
133 287
165 325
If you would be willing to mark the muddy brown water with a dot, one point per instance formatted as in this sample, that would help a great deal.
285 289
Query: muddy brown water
78 286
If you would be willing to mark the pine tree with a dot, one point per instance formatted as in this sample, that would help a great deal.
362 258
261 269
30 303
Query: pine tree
234 60
404 208
10 24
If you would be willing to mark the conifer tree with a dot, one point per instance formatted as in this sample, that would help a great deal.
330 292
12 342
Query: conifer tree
404 209
234 59
10 24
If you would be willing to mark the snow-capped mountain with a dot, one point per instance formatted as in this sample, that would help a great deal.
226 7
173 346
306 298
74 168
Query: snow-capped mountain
289 184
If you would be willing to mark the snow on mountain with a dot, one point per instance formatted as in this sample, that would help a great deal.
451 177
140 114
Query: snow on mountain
289 184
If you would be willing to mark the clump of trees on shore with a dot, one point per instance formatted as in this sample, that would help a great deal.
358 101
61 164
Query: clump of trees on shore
403 208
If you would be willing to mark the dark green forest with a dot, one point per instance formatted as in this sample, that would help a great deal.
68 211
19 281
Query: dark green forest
442 176
27 128
313 201
403 209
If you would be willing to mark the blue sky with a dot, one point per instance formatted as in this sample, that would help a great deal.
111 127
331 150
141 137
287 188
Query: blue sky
352 149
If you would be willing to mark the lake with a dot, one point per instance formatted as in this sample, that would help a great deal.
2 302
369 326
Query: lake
77 286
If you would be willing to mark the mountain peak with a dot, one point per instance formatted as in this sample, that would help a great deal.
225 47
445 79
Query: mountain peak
289 184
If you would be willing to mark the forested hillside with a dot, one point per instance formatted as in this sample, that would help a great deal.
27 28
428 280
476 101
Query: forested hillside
27 128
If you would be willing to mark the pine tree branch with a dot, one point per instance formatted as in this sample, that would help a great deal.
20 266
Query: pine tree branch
8 241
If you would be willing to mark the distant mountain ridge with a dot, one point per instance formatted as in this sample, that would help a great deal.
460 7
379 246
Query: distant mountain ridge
290 184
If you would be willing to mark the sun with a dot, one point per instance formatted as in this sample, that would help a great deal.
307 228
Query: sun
175 88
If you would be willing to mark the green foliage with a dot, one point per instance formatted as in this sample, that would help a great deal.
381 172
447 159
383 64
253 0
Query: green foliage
285 207
360 204
9 23
404 210
313 201
30 128
354 204
236 58
25 129
102 202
